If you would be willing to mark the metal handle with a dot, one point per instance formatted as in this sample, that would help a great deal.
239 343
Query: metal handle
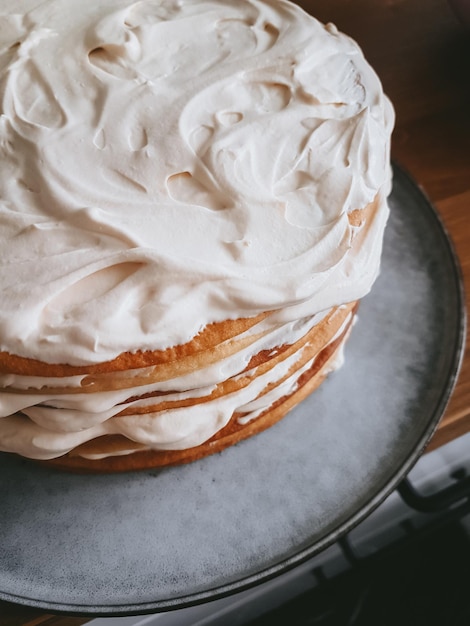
435 502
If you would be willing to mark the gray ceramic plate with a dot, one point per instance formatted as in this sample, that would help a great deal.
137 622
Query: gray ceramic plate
143 542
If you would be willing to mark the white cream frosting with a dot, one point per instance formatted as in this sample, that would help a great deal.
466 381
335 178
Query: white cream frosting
167 164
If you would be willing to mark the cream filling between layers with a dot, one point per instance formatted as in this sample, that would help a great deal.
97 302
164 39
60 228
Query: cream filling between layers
45 432
263 336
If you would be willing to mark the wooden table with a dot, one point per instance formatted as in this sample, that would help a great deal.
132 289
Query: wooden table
422 54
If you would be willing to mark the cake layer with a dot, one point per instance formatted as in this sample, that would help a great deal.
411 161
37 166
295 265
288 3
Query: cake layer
114 453
50 426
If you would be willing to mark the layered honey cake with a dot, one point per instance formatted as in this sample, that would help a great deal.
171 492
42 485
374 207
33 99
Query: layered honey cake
193 200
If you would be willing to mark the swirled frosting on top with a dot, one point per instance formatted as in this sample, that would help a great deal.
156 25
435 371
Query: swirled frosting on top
171 163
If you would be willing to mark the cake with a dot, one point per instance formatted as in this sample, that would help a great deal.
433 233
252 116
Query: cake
193 201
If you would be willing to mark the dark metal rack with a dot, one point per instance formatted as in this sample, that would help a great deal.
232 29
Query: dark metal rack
421 579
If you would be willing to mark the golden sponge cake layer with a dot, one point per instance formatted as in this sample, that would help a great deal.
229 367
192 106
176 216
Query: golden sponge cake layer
115 453
53 424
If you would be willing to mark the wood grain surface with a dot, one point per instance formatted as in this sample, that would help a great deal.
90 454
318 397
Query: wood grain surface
422 54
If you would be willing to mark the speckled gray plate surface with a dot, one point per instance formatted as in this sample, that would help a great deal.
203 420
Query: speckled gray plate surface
143 542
